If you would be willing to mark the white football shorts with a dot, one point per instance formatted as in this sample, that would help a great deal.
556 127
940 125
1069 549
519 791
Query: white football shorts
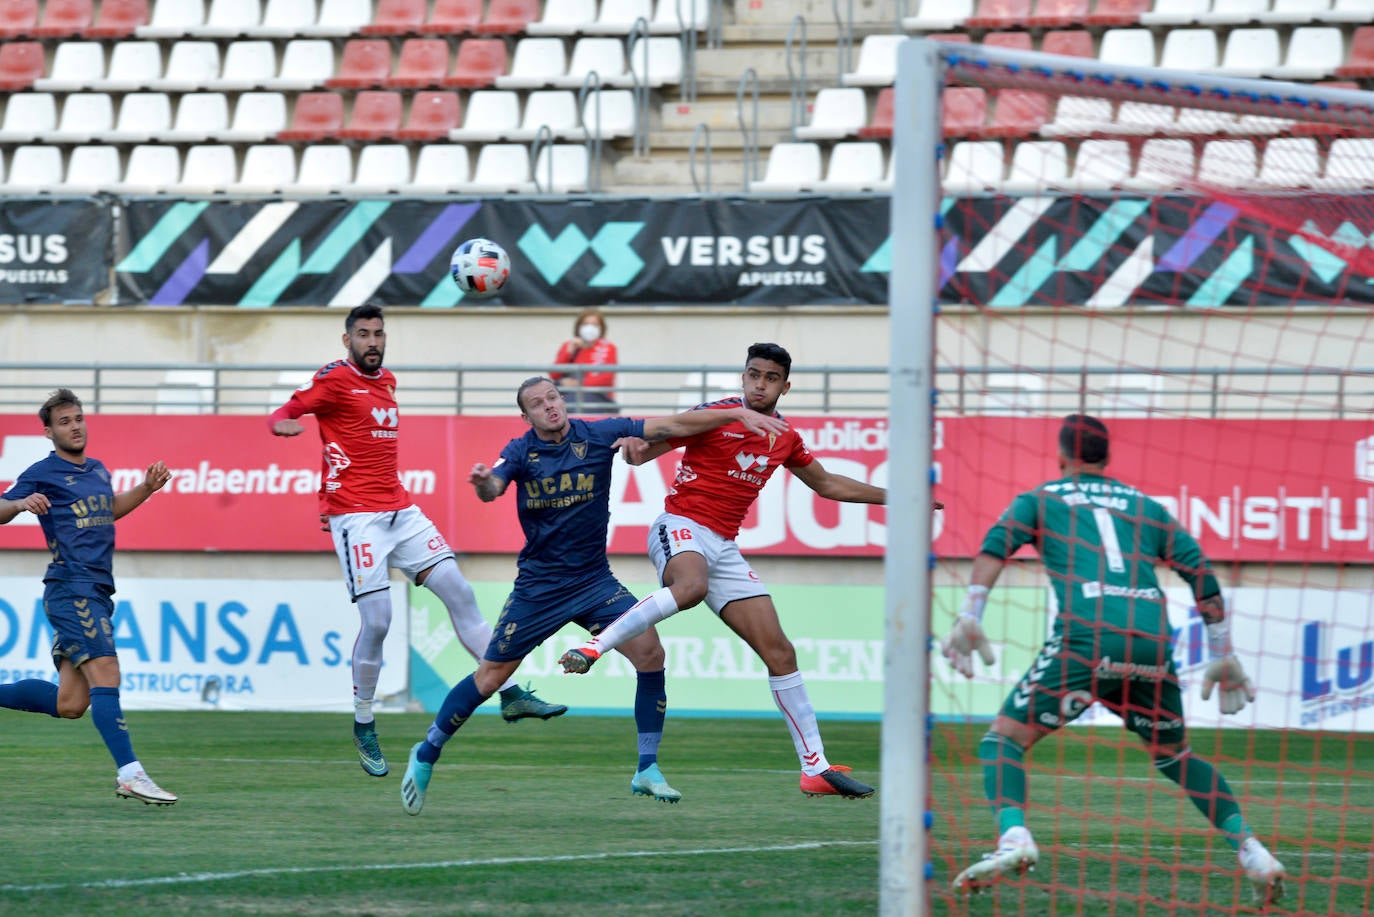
370 544
731 577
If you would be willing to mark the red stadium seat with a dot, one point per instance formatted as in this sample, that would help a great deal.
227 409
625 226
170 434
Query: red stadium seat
376 114
21 62
396 17
964 111
423 62
318 116
1070 44
479 62
1117 13
1018 113
999 14
432 116
18 19
883 113
957 38
508 17
64 18
119 18
366 62
453 17
1360 63
1058 14
1015 41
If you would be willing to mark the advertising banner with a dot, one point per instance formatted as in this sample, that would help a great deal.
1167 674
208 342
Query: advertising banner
55 250
202 644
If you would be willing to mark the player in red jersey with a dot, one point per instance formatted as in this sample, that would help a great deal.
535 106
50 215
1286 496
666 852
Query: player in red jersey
375 525
693 546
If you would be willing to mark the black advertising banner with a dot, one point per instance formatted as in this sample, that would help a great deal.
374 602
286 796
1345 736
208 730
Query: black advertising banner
54 249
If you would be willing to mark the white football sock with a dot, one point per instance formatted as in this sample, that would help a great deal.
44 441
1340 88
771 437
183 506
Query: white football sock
789 693
374 612
447 582
644 614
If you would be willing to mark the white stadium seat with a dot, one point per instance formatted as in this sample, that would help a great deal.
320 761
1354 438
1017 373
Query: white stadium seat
340 18
1290 162
1037 164
1228 163
563 17
938 15
383 168
1163 164
491 115
191 65
617 17
1314 53
151 169
29 117
91 169
230 18
200 115
84 115
877 63
537 62
837 112
257 116
285 19
440 168
173 19
853 166
76 65
604 56
209 168
791 167
324 168
561 168
617 113
34 169
1251 52
142 117
248 65
134 65
305 64
975 166
501 168
672 16
267 168
552 108
1100 165
664 59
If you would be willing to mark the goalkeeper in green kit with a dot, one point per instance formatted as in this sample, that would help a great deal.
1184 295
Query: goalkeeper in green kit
1100 540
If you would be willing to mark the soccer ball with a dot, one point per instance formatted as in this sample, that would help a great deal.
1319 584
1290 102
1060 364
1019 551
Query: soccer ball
480 267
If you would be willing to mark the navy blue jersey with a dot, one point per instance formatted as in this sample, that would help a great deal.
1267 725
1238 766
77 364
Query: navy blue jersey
563 494
79 527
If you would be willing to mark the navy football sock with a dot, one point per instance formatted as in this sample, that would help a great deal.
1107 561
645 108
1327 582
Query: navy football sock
651 708
109 722
32 695
462 699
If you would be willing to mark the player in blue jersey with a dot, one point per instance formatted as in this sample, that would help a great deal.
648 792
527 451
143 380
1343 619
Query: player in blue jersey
76 506
562 471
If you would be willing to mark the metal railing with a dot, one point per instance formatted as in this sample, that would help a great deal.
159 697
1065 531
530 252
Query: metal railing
796 73
701 137
748 128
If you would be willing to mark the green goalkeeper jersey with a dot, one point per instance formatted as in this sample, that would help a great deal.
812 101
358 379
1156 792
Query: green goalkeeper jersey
1100 541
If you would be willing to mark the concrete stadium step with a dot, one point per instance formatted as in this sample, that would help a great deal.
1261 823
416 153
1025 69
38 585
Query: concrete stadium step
722 114
769 62
762 12
723 139
671 173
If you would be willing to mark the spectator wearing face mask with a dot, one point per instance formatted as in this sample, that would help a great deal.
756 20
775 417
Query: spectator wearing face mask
588 391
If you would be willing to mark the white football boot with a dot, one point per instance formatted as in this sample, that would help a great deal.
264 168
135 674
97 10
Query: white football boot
1015 854
1264 873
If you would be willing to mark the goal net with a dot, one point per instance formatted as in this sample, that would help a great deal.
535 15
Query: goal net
1190 259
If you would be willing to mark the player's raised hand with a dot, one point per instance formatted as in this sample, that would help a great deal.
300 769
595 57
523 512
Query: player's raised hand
761 424
959 644
1227 674
632 448
288 427
156 477
38 504
479 473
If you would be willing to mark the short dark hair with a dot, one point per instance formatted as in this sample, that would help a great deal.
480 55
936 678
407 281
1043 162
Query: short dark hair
358 313
1084 438
772 352
530 383
57 399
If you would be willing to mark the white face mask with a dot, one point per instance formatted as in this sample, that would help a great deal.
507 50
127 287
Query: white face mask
589 332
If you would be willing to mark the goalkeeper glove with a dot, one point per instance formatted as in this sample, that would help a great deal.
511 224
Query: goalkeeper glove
1236 688
967 634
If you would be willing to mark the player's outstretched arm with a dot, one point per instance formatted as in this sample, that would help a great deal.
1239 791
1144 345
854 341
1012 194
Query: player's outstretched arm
488 486
636 451
154 480
1224 672
38 504
837 486
690 423
284 421
966 636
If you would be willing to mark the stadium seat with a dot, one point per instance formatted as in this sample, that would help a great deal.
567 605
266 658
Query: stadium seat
1295 12
267 169
792 167
383 168
563 17
33 170
1163 164
618 17
1015 41
64 19
134 65
453 17
1234 12
537 62
1013 395
366 63
1116 14
675 16
560 168
76 65
478 63
396 17
200 115
286 19
604 56
1058 14
18 19
938 15
230 19
1018 113
999 14
1070 43
1250 52
422 62
191 65
836 113
91 169
1131 47
881 125
664 59
376 114
555 109
964 111
325 169
853 166
208 169
317 116
248 65
340 18
1290 162
433 113
186 391
1174 12
1359 64
1349 164
1314 53
151 169
305 64
975 166
491 114
1228 163
144 117
1144 118
1190 49
1100 165
258 116
1037 165
440 168
1080 116
84 115
29 117
1353 11
119 19
173 19
877 63
507 17
1127 394
616 116
501 168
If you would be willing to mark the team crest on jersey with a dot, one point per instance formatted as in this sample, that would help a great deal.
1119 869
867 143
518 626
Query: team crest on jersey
772 441
579 450
69 480
532 458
